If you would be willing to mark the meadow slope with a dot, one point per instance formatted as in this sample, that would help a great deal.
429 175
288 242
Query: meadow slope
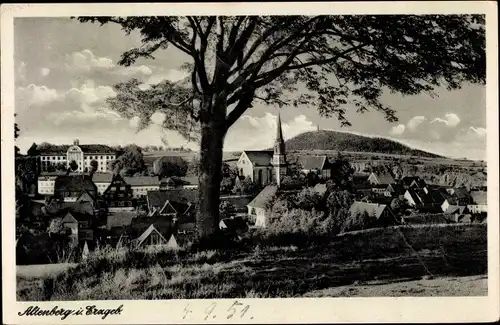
384 255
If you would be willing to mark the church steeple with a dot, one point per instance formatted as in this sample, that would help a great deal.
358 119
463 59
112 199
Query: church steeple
279 143
279 156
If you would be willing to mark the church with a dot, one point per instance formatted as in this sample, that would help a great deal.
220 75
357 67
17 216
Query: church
265 166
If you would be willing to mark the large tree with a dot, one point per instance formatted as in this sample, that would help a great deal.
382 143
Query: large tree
339 62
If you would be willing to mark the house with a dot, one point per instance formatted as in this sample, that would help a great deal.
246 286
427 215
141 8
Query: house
258 208
102 181
381 213
265 166
55 208
79 225
315 164
151 237
380 179
461 195
122 219
239 202
479 202
119 195
395 190
69 188
178 206
379 189
423 198
413 182
140 185
458 213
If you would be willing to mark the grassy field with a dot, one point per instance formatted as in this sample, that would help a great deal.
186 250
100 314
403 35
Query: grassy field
379 257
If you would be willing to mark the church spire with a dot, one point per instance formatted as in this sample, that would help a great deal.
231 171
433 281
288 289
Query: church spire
279 144
279 157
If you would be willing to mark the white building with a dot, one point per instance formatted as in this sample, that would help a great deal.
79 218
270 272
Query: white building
46 184
60 157
102 181
479 202
265 166
142 184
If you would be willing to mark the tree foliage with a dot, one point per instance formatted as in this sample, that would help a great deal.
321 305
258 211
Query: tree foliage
73 165
130 161
341 61
265 57
342 173
172 166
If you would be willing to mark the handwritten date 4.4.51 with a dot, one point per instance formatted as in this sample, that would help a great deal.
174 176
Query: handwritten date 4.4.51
236 310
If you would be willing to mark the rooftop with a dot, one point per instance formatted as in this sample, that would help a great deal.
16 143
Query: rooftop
260 158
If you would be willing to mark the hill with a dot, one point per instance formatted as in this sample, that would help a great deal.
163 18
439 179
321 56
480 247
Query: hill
342 141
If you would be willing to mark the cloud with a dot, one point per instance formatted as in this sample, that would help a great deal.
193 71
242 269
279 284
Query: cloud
171 75
414 122
44 72
481 132
397 130
89 93
450 120
86 61
251 132
37 95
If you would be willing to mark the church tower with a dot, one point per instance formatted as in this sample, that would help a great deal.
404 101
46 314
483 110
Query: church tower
279 155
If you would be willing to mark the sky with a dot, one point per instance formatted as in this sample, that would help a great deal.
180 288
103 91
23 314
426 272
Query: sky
64 71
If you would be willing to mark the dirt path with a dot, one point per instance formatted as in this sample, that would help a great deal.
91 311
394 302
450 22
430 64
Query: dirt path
445 286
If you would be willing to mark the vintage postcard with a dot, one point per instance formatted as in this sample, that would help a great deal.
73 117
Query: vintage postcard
250 163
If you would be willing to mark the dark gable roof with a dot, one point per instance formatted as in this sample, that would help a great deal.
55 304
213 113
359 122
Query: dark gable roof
102 177
312 162
373 209
55 208
397 188
260 158
180 195
461 192
234 223
78 215
264 197
142 181
86 148
384 178
120 219
75 183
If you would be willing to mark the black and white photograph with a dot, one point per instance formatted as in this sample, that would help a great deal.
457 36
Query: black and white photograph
262 156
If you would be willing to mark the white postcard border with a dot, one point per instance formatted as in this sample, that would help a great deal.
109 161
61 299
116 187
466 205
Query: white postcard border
300 310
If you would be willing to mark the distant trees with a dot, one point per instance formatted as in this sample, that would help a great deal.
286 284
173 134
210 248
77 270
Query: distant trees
33 150
342 172
130 161
170 166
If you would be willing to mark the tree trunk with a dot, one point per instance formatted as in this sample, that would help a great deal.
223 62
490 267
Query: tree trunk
213 131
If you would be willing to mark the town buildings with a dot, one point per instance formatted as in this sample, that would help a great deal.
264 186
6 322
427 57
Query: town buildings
60 157
265 166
